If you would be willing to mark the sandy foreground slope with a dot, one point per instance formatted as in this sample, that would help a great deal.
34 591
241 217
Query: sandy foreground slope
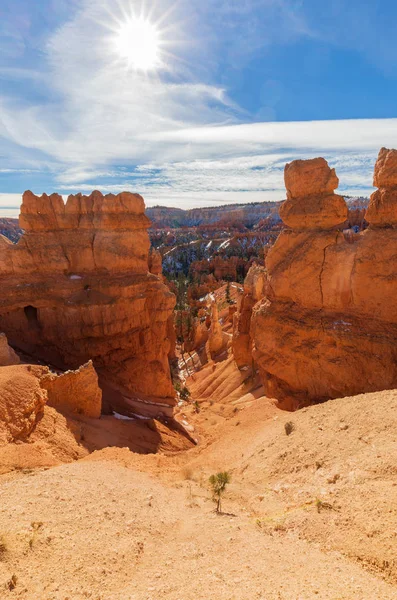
100 530
309 515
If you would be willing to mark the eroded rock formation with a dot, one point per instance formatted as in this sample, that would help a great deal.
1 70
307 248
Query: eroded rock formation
328 326
77 287
21 401
217 340
255 288
311 202
382 209
7 354
75 391
155 262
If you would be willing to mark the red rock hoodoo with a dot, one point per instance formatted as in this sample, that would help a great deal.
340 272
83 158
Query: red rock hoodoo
328 325
77 287
311 202
382 209
255 288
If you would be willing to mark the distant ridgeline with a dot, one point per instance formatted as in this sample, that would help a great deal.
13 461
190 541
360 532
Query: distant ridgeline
248 215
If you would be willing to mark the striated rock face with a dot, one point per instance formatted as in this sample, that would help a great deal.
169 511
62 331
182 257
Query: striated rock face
311 202
77 287
7 354
382 209
255 288
21 401
216 342
155 262
75 391
328 325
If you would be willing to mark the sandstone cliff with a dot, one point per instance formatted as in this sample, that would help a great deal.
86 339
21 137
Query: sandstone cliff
77 287
328 326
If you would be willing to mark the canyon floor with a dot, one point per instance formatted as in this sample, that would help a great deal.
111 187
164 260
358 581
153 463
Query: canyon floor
308 515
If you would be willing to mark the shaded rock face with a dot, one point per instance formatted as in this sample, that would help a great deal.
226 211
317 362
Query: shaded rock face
77 287
382 209
311 202
21 401
75 391
328 325
255 288
7 354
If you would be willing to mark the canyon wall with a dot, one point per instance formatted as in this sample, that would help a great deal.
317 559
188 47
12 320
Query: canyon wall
77 286
328 324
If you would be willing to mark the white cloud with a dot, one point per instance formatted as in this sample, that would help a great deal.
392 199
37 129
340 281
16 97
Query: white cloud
177 127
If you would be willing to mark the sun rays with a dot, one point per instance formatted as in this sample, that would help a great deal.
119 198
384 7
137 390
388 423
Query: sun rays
142 36
138 42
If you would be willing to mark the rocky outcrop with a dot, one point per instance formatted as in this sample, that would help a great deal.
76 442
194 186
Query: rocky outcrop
328 325
77 287
311 202
225 268
155 262
255 288
75 391
382 209
7 354
198 336
21 401
216 338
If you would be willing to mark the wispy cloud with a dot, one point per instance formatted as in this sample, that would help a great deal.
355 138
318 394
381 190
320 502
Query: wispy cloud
174 135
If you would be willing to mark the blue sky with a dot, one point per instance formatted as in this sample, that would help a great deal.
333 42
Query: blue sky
240 88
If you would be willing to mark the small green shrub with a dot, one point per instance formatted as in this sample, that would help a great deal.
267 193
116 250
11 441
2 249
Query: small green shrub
218 485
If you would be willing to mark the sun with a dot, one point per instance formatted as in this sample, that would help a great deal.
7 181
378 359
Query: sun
138 42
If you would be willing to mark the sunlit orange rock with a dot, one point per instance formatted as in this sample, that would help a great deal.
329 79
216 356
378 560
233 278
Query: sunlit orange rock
75 391
385 174
216 338
155 262
255 288
382 209
21 401
311 202
328 324
77 287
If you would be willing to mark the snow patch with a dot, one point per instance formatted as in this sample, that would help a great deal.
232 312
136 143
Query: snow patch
224 244
122 417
